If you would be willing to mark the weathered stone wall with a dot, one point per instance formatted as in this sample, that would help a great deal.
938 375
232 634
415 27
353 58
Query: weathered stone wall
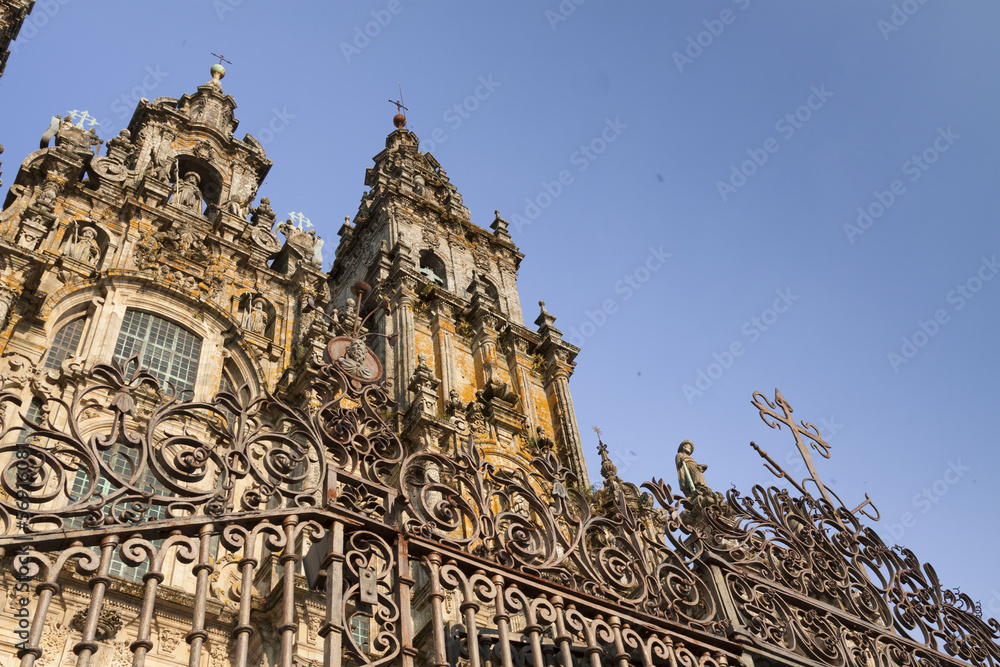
12 15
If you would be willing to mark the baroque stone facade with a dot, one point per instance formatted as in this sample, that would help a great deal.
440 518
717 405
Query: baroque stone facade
12 15
211 453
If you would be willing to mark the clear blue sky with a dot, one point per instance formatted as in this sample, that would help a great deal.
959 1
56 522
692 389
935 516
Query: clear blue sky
893 114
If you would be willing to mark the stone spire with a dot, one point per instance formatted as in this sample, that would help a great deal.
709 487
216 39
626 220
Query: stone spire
453 287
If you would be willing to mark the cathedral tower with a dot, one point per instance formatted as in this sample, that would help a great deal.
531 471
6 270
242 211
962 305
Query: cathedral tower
464 360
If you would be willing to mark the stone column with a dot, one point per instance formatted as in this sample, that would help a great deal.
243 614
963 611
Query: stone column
566 424
516 350
405 352
524 390
445 352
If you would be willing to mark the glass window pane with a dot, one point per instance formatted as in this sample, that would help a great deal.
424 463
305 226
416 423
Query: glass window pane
65 344
167 350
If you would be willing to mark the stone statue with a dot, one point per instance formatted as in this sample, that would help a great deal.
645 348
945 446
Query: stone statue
350 317
70 136
545 443
188 194
454 404
239 202
317 258
353 360
690 474
82 246
160 168
237 208
303 241
46 201
255 319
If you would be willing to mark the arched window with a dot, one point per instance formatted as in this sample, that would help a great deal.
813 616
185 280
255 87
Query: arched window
491 290
432 268
65 344
485 284
169 351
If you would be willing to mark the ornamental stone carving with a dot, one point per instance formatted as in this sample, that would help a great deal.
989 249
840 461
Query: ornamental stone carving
81 246
255 317
188 195
108 623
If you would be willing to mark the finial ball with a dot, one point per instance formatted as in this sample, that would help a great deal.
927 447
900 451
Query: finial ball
218 69
399 120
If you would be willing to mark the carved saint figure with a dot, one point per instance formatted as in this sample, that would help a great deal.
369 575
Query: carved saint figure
255 319
353 360
237 207
188 193
350 317
690 474
83 246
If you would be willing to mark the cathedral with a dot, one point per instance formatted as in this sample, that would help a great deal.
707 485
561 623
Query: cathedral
214 453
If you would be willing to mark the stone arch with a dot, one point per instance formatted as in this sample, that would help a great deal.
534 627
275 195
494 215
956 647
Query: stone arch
210 181
492 292
433 268
133 290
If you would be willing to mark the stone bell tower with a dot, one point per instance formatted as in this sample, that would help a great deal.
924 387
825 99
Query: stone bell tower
155 249
465 365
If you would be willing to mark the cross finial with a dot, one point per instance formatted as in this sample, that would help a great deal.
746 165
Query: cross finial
299 220
399 106
222 59
400 120
81 117
779 413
